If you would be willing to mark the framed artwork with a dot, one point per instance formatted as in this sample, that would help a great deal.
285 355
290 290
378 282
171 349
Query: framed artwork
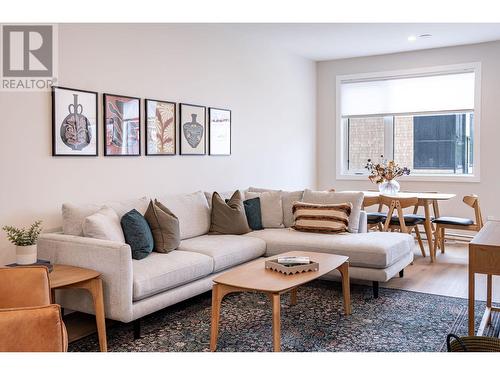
122 125
219 122
74 122
192 132
160 127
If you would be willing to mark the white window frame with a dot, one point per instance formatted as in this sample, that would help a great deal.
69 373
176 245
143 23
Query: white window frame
342 172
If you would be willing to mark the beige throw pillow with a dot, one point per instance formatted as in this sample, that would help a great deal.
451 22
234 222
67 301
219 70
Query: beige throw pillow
103 225
164 227
270 206
321 218
228 218
332 197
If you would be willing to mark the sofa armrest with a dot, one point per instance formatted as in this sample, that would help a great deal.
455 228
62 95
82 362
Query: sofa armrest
363 224
112 259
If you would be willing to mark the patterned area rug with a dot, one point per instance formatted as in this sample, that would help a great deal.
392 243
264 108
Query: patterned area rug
397 321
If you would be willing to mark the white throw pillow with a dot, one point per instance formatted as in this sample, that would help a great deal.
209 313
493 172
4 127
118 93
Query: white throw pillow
331 197
271 208
104 225
287 199
74 214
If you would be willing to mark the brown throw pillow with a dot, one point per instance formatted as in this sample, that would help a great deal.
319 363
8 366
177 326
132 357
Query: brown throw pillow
228 218
321 218
164 226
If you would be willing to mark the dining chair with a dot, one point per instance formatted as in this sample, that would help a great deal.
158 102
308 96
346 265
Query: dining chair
28 321
374 219
397 220
459 223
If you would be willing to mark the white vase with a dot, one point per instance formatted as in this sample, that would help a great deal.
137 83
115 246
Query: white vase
26 254
390 187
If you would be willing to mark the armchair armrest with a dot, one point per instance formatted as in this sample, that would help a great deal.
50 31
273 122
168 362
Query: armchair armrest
32 329
112 259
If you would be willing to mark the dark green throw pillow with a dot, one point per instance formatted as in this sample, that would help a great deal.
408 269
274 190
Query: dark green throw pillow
252 211
137 234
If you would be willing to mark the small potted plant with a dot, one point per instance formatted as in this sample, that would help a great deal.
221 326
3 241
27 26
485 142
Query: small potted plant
384 174
25 241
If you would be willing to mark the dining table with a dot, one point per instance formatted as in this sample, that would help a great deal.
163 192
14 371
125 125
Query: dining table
426 200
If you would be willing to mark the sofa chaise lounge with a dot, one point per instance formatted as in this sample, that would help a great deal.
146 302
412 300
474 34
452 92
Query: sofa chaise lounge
135 288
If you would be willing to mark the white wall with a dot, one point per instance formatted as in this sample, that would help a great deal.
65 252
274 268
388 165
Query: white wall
487 53
270 92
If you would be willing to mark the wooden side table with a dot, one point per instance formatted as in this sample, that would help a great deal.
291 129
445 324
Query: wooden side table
484 257
69 277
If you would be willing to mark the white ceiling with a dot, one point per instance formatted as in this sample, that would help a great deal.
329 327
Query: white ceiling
336 41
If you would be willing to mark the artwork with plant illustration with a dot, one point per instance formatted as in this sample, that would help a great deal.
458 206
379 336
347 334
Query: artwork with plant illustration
160 127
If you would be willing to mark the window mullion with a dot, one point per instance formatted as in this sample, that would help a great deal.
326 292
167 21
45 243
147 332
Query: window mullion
389 137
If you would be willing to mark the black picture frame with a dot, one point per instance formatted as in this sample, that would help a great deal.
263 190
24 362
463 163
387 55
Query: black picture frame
105 125
146 125
181 129
54 102
210 131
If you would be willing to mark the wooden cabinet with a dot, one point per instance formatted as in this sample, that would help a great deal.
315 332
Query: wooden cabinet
484 257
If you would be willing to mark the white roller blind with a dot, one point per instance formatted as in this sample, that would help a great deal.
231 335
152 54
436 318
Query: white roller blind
408 95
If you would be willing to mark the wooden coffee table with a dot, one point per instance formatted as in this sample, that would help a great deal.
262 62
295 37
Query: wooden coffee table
253 277
69 277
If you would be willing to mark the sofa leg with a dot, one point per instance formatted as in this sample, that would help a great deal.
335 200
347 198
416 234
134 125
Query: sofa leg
137 329
375 289
402 273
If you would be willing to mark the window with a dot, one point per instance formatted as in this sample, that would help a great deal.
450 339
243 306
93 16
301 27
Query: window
423 120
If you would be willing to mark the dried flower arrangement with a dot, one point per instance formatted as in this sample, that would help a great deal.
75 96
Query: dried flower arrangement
385 171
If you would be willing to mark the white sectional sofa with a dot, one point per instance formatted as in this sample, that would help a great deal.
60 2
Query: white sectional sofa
135 288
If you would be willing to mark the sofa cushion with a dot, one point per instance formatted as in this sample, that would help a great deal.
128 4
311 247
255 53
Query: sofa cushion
287 200
374 249
103 225
270 206
253 213
74 214
160 272
225 250
321 218
225 195
192 211
164 226
137 234
228 217
332 197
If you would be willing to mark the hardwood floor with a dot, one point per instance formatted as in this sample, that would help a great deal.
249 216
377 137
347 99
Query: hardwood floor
447 276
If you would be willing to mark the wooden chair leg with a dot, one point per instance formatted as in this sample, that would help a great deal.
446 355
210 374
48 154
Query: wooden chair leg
419 239
437 237
441 236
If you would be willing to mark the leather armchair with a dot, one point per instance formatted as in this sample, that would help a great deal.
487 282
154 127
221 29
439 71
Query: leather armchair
28 321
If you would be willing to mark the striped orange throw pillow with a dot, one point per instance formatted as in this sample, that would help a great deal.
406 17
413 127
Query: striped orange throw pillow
321 218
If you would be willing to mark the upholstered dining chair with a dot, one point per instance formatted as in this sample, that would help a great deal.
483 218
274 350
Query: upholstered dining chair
458 223
28 321
374 219
397 220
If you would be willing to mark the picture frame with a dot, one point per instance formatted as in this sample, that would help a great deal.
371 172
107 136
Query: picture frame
74 122
192 129
161 124
219 122
122 125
